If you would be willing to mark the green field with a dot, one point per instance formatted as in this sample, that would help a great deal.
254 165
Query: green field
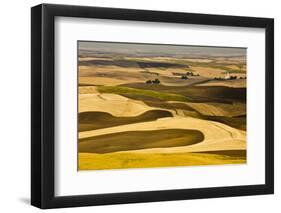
218 94
121 90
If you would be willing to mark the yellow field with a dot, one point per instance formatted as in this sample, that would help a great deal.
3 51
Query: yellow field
121 160
106 103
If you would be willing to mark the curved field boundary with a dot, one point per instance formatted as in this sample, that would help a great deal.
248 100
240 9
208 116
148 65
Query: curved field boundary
99 120
114 104
217 136
135 140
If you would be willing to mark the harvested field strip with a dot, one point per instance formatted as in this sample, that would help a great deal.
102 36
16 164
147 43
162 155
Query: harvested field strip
222 66
236 122
114 104
219 109
239 153
136 140
99 120
239 122
86 85
129 63
154 102
166 96
91 161
87 90
238 83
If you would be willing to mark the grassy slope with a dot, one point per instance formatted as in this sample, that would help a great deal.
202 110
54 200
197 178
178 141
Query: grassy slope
90 161
99 120
218 94
166 96
134 140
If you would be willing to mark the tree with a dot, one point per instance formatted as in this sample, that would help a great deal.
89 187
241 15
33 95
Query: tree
189 73
184 77
156 81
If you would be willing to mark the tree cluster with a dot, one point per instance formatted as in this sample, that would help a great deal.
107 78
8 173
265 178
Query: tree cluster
232 77
191 74
155 81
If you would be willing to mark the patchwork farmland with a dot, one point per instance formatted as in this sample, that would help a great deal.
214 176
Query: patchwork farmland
143 106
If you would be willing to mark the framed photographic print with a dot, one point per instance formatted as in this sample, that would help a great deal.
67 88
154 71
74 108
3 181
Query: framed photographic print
139 106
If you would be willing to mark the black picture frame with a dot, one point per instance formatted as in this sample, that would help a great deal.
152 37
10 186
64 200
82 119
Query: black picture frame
43 102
